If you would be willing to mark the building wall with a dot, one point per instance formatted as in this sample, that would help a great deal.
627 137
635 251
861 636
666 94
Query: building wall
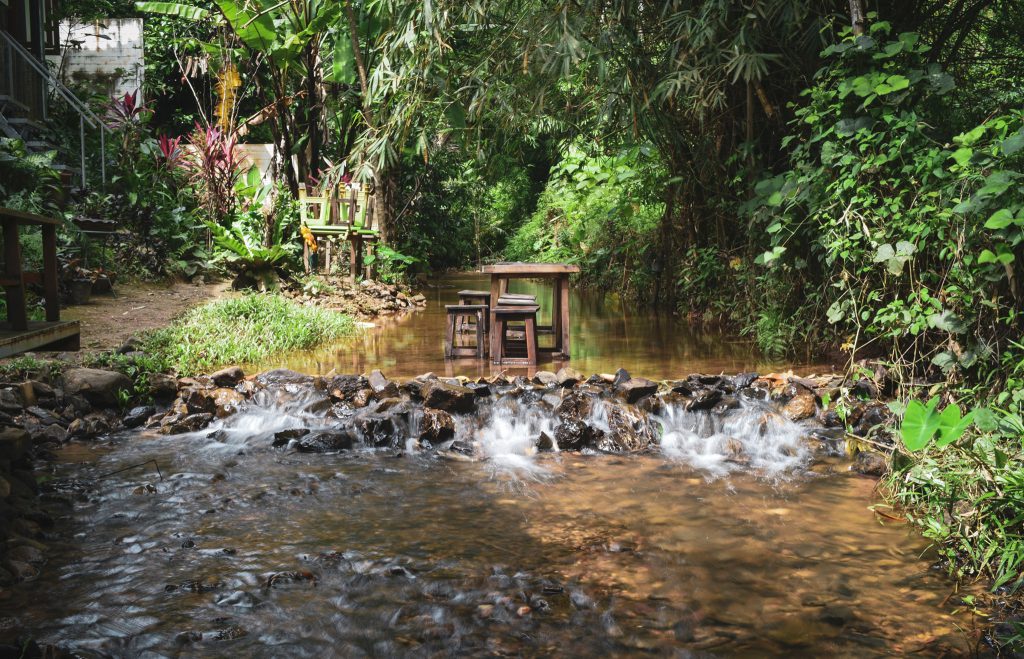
107 53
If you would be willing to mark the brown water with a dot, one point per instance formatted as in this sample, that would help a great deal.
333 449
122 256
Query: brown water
249 551
606 334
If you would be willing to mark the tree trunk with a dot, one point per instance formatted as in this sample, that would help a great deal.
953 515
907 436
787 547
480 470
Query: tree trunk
857 17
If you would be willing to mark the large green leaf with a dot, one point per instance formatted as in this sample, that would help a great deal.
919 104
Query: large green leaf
920 423
256 30
173 9
951 425
342 69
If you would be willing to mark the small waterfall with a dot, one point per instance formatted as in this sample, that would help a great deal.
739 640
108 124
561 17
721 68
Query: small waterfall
752 436
508 436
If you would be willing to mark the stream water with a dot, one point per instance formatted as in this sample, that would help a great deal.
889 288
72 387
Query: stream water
239 549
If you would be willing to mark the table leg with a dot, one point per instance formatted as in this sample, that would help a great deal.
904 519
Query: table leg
492 325
354 260
563 286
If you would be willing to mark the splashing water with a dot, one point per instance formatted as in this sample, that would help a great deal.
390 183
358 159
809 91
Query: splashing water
508 439
754 436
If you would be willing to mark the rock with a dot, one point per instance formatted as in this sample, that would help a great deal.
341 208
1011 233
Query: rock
636 388
743 380
705 399
282 437
26 554
800 407
870 463
621 375
574 435
362 397
545 378
436 426
479 388
51 434
448 397
10 400
382 387
162 387
283 376
189 423
575 406
545 442
220 402
380 430
344 387
138 415
725 404
568 377
99 387
682 388
324 442
629 429
228 377
14 443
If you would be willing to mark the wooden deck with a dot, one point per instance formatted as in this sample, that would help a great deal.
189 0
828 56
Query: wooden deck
60 335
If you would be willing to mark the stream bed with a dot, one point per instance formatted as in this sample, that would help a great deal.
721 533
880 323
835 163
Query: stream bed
724 536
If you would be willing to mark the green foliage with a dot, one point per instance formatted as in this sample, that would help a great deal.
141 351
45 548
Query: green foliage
391 265
28 181
243 330
598 211
921 423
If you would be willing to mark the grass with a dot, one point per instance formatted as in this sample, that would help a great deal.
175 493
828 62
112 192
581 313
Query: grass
243 330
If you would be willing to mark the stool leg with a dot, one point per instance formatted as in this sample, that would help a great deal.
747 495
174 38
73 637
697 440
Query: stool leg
497 341
531 341
449 336
479 335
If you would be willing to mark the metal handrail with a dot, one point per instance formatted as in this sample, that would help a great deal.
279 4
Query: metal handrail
85 115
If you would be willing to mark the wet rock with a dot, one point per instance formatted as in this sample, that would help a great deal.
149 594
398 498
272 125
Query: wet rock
575 406
99 387
743 380
864 388
14 443
727 403
479 388
282 437
220 402
51 434
10 400
228 377
869 417
27 554
682 388
621 376
345 387
753 393
448 397
800 407
436 426
382 387
162 387
870 463
545 378
379 430
568 377
177 425
280 377
629 429
138 415
574 435
636 388
830 419
545 442
319 406
22 571
705 399
707 380
324 442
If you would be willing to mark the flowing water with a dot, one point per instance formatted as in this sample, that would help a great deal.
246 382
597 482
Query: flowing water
732 538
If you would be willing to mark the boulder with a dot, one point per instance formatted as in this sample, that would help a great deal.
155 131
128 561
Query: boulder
743 380
138 415
99 387
220 402
705 399
629 430
621 375
575 435
382 387
545 442
545 378
176 424
800 407
10 400
283 376
162 387
345 387
324 442
575 406
449 397
568 377
228 377
436 426
379 430
636 388
282 437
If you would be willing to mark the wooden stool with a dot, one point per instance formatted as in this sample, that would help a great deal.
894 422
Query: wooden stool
510 351
457 312
473 297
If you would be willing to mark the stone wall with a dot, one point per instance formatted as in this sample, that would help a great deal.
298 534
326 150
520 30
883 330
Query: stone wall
107 53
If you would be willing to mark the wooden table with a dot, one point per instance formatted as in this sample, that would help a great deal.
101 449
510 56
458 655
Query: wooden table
558 273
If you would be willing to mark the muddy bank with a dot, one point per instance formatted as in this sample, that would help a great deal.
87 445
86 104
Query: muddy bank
365 300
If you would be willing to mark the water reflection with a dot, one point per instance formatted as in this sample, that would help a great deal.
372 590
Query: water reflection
606 334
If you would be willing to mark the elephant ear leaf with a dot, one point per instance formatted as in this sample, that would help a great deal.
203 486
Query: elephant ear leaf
173 9
920 423
256 30
951 425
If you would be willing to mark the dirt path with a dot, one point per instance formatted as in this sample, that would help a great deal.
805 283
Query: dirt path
108 321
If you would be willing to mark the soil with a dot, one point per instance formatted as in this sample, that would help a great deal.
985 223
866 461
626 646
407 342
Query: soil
109 320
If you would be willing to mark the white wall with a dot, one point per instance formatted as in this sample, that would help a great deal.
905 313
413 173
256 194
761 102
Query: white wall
110 50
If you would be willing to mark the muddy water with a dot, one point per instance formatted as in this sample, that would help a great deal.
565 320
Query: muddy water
606 334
